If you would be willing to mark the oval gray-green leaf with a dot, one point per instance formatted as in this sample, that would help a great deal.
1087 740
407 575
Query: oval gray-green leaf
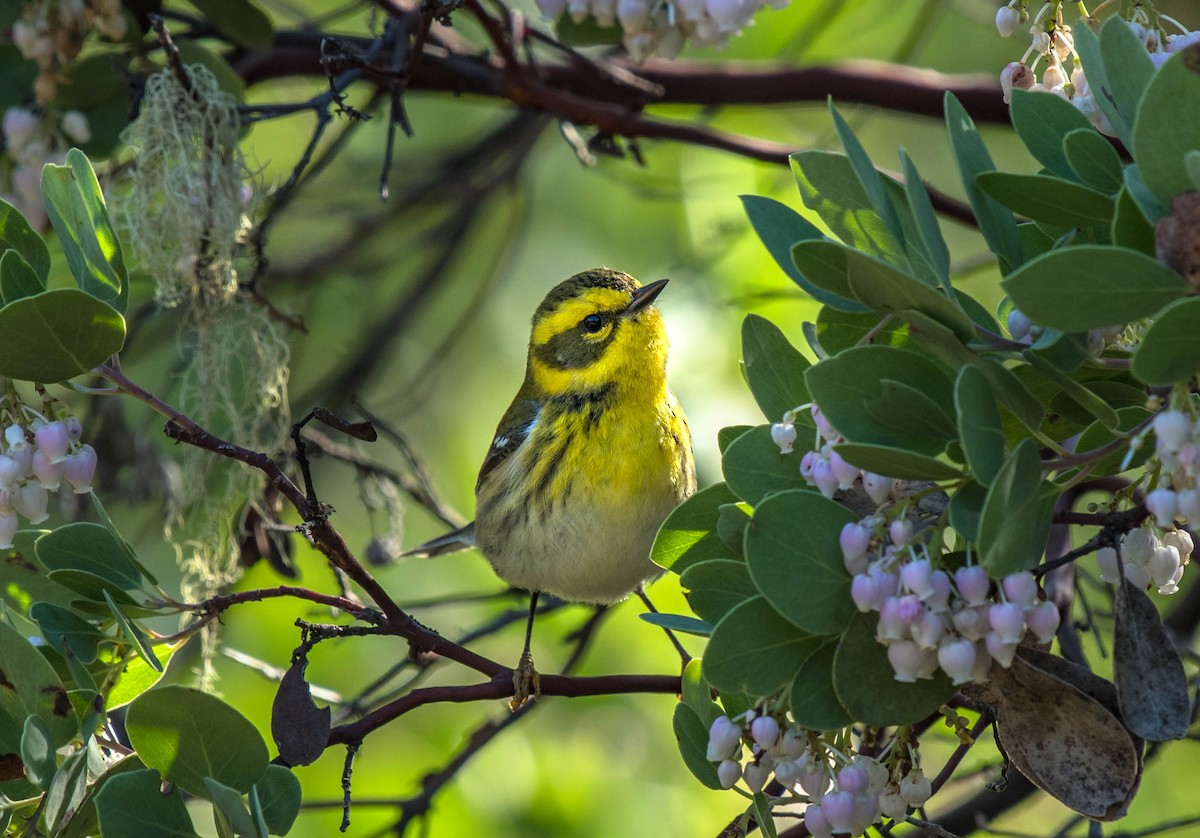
133 804
31 688
692 737
755 650
1094 159
1013 497
814 702
774 368
1170 349
794 558
689 534
754 468
57 335
1160 144
1092 286
716 587
15 233
896 462
88 547
979 428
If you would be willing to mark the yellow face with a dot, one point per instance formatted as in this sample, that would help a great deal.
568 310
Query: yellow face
595 330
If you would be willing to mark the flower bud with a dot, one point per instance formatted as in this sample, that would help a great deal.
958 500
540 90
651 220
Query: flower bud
915 788
765 732
1163 504
1181 541
20 126
838 807
877 487
808 464
1001 651
972 583
1163 565
8 528
1137 575
1021 588
892 626
845 473
1018 324
1139 545
1007 19
854 539
824 478
906 658
1053 76
854 779
866 812
916 576
30 500
1106 558
75 125
782 435
1015 75
900 531
892 805
74 429
1007 620
823 426
865 592
724 739
1189 505
79 468
53 440
1172 429
814 779
728 773
957 659
1043 621
756 775
787 773
928 630
817 823
10 471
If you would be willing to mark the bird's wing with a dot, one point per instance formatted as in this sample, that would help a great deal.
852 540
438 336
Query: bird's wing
515 427
460 539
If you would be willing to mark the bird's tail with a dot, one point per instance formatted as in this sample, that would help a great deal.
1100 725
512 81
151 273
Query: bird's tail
460 539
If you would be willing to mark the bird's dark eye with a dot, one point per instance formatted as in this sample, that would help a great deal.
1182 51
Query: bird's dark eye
592 323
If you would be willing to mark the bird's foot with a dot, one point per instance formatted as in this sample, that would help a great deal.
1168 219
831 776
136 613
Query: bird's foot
526 682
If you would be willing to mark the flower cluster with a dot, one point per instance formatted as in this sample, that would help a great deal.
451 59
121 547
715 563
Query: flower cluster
1052 44
654 28
51 32
1177 447
824 467
845 795
32 141
930 618
38 456
1148 559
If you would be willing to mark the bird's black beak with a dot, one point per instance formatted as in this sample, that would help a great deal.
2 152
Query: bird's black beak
644 296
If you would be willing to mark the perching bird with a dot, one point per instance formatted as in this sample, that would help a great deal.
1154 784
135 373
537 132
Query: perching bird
589 458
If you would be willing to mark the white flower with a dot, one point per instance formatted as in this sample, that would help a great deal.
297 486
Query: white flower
75 125
1007 19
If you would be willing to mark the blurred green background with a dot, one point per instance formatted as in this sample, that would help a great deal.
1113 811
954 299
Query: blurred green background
340 258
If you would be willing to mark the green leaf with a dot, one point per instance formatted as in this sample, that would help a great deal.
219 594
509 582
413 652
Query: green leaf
814 702
1170 349
37 752
57 335
774 368
279 796
67 792
678 622
67 632
1146 200
763 816
692 737
1013 496
727 435
187 735
928 229
979 429
1130 227
689 534
896 462
865 686
1093 158
1168 123
125 546
585 33
137 676
867 175
91 587
793 556
83 822
239 21
1128 70
16 234
716 587
909 410
228 805
997 224
877 284
843 384
754 468
830 188
1072 389
697 694
96 86
1042 121
755 650
966 508
133 634
30 688
77 211
133 804
779 227
732 521
17 279
191 52
1093 286
87 547
838 330
1049 199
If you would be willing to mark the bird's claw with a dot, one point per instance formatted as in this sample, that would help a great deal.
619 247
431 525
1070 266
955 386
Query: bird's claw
526 682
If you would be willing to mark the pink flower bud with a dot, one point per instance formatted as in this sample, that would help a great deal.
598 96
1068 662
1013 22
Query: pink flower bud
10 471
724 739
928 630
814 779
845 473
1015 75
900 530
1007 620
972 583
53 441
916 576
756 775
818 825
1189 505
1163 565
892 626
1021 588
80 468
838 807
787 773
1172 429
906 658
865 592
854 540
47 473
957 659
1002 652
1007 19
866 812
971 622
1054 76
854 779
939 600
823 478
74 429
877 487
765 732
823 427
30 500
1137 575
808 464
1043 621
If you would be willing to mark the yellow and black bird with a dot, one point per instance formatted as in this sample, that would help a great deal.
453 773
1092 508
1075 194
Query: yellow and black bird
589 458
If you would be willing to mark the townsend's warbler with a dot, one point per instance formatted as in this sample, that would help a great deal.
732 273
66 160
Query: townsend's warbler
589 458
